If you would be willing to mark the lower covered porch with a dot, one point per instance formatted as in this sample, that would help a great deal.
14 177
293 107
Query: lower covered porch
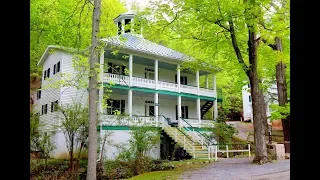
127 108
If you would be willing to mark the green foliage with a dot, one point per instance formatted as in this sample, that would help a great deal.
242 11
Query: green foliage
222 132
46 145
143 140
35 135
75 126
200 29
67 23
279 112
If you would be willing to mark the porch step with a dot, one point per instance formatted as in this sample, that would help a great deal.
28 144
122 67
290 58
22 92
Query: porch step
196 150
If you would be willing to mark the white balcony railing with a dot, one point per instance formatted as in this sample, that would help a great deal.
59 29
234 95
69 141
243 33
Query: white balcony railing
195 123
150 83
113 120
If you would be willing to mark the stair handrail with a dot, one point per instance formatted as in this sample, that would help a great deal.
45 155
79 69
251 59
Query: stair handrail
167 119
208 143
178 129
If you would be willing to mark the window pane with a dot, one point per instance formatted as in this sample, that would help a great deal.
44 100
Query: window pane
151 110
182 112
109 67
52 106
54 69
116 104
58 67
48 74
127 25
116 69
119 27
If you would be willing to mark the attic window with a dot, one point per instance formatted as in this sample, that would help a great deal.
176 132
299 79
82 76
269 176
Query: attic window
127 24
56 68
46 73
119 27
38 94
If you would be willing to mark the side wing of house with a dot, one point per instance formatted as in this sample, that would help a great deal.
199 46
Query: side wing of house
74 92
50 95
247 103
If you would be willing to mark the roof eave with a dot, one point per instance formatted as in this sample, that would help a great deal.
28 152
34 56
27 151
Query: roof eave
46 52
144 53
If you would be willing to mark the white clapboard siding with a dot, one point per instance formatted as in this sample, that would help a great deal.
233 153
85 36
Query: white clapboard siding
70 95
50 94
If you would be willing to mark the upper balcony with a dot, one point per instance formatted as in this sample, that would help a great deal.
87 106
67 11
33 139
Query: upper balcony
123 80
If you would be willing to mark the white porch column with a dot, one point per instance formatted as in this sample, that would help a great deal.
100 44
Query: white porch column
207 82
156 107
156 73
130 84
130 69
179 97
198 112
179 111
156 101
197 81
215 102
178 77
122 26
101 81
130 102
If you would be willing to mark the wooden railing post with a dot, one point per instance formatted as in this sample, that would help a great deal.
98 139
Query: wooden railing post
194 155
227 151
249 150
216 154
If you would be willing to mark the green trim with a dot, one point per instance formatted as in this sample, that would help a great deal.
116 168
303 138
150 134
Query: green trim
199 129
162 92
126 128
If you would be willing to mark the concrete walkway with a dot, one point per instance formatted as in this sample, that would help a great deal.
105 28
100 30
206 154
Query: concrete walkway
242 132
241 169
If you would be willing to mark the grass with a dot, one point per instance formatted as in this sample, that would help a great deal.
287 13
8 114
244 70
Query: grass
179 168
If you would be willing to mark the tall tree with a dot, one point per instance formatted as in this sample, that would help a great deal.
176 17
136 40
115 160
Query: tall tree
210 31
279 8
92 149
67 23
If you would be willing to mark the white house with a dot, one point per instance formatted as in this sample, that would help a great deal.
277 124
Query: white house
154 89
270 98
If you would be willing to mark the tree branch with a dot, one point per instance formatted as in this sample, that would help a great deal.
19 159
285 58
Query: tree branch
236 48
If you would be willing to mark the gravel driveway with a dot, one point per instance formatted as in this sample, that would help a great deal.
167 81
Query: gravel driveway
241 169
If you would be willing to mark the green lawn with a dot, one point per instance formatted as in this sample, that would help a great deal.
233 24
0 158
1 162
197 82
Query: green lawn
179 168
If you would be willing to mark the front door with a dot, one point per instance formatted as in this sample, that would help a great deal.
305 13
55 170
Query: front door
149 108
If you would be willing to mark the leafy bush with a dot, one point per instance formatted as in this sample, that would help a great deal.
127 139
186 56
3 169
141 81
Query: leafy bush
223 132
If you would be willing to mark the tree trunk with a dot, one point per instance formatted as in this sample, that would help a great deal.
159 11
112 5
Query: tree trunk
282 90
92 149
71 155
258 103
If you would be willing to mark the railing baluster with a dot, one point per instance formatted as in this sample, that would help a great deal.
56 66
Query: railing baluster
216 153
227 151
249 150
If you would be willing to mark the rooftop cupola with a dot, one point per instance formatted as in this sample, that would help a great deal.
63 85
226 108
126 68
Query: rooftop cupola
125 24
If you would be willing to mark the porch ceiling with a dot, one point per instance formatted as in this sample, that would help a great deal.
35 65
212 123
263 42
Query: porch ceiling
148 62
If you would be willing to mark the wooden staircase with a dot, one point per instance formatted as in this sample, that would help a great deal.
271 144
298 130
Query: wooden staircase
192 147
206 107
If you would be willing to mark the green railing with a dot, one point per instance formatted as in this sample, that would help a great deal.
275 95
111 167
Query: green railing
169 122
208 143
